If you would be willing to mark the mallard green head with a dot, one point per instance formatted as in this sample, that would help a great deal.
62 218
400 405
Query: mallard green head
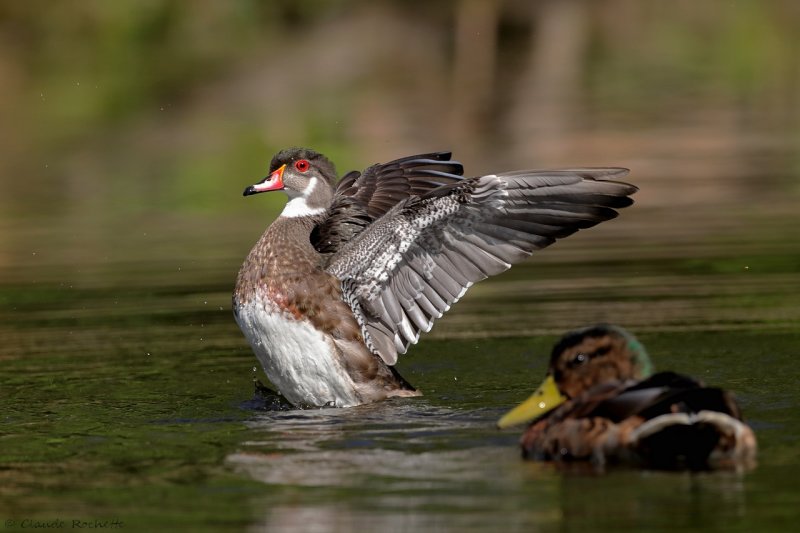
582 359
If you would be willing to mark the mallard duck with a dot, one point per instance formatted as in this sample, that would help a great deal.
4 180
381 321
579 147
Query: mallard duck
601 402
353 270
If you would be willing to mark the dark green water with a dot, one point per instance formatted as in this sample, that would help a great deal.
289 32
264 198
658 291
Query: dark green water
130 403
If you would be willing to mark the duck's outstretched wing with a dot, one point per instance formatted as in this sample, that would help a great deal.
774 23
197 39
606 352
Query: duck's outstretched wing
362 197
409 266
380 187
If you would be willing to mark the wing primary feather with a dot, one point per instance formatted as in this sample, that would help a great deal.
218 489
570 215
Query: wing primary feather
460 230
488 266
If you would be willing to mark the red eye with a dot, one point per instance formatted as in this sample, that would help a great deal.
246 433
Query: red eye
302 165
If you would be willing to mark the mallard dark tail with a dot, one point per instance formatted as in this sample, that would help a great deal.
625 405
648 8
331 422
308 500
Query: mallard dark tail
697 441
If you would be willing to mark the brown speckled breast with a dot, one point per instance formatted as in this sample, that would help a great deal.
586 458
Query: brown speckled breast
283 268
285 272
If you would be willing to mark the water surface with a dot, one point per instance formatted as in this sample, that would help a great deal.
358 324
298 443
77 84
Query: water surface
133 403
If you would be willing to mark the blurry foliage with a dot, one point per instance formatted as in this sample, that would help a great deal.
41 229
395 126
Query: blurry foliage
133 53
96 93
137 52
735 55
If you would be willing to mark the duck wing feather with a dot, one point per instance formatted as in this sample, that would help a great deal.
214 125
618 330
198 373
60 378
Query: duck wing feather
362 197
410 265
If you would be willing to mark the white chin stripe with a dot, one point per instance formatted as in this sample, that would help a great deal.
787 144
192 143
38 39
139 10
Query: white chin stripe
298 207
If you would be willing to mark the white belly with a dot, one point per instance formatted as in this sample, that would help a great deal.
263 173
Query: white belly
297 358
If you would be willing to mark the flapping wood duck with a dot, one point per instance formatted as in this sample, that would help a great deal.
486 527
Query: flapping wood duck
351 272
600 402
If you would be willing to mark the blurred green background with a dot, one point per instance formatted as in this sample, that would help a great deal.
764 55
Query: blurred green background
129 128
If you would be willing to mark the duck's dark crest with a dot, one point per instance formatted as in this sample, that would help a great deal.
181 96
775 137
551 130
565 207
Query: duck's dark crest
289 155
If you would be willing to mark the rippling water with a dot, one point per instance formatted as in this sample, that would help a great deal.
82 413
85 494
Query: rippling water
134 402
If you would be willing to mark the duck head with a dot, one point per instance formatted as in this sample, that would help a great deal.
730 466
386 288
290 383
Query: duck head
306 176
582 359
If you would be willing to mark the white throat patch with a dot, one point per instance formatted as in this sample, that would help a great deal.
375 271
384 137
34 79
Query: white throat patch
298 207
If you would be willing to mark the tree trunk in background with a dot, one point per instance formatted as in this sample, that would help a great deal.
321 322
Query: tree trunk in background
545 105
473 73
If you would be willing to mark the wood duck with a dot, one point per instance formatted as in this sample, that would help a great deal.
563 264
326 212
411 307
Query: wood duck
600 402
350 273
